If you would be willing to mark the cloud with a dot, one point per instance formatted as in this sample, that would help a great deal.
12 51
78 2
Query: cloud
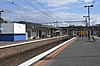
58 2
69 16
88 1
96 18
62 15
59 8
9 0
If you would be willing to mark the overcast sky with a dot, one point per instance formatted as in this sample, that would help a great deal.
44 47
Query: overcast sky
49 10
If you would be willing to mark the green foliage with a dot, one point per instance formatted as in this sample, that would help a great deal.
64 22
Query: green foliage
3 21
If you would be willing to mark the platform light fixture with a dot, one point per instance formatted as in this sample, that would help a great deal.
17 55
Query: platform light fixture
88 19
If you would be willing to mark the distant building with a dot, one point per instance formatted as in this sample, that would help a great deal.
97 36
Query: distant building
82 30
98 30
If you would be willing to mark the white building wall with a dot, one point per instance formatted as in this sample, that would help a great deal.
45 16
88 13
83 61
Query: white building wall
13 28
19 28
34 34
8 28
43 32
31 34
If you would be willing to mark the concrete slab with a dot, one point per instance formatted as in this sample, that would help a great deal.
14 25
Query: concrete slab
79 53
3 43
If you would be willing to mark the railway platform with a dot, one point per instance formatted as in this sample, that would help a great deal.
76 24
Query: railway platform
4 43
79 53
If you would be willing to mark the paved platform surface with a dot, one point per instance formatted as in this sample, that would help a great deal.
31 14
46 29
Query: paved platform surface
3 43
79 53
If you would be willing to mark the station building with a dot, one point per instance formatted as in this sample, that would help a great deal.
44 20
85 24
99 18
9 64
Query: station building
37 30
98 30
12 32
27 30
82 30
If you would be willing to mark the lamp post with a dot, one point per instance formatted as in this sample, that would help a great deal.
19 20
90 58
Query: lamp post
86 24
0 21
89 19
86 20
0 13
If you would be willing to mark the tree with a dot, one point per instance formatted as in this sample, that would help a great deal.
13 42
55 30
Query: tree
3 21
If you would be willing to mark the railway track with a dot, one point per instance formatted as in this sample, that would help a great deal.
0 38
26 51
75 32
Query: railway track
16 59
